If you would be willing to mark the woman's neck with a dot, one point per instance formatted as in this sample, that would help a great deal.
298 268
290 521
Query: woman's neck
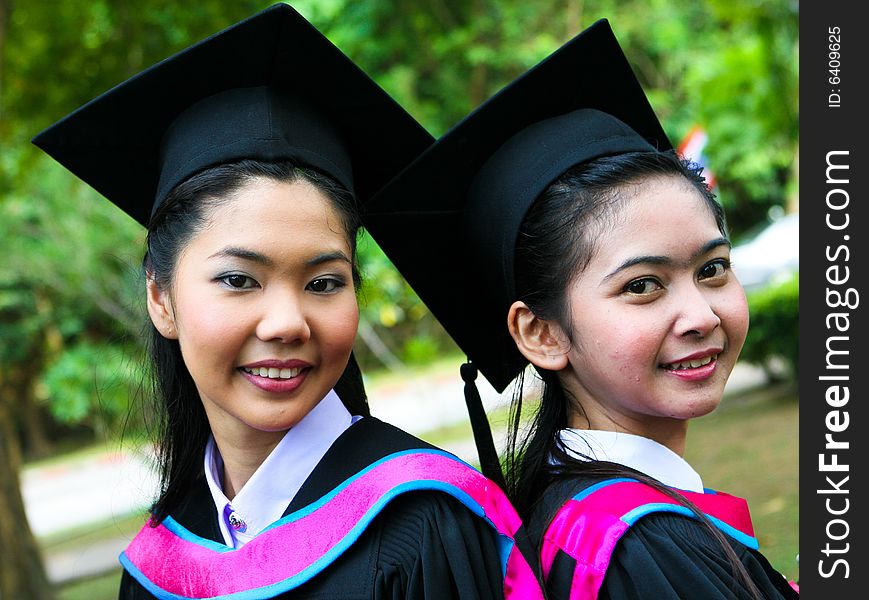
242 455
672 433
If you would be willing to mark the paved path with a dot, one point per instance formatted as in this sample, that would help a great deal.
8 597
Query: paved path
112 485
87 489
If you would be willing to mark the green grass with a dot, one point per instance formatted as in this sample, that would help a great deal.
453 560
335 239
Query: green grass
443 365
750 448
70 539
103 587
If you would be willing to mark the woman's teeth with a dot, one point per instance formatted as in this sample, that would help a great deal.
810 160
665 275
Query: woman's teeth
691 364
273 373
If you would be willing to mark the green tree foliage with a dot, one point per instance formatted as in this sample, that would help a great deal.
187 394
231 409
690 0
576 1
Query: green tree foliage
774 333
396 326
72 285
730 67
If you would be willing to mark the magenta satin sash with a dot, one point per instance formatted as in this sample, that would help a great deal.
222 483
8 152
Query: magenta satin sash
588 526
171 562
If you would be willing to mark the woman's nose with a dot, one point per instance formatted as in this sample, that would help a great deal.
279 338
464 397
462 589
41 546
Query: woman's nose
697 314
283 319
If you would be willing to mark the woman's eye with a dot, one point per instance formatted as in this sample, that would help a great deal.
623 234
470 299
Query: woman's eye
238 282
643 286
714 269
324 285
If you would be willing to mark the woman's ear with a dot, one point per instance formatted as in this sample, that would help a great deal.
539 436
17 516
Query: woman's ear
160 309
541 341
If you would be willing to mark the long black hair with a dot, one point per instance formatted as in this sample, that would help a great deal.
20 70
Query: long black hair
180 426
556 241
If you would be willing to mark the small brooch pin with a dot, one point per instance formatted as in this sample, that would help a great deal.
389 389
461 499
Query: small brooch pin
237 523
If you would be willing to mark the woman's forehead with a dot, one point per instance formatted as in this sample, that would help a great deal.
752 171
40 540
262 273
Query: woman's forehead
654 216
265 212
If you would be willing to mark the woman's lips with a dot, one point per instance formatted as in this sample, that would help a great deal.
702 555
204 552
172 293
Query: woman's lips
273 372
278 380
693 369
691 363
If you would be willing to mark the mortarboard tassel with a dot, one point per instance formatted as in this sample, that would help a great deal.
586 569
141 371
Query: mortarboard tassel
489 463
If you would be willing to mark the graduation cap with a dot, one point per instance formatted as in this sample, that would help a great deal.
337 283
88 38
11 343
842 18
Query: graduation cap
271 88
449 221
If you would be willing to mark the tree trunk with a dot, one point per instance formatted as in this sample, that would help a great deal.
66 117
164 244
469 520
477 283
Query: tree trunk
30 417
22 574
376 346
32 421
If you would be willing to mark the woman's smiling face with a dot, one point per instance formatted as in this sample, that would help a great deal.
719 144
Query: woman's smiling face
263 306
657 318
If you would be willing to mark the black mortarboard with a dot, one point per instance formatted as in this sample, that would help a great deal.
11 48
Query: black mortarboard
449 221
271 87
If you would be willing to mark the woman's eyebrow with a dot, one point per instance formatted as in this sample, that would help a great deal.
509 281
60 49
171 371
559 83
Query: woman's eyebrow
244 254
711 245
666 260
328 257
639 260
252 256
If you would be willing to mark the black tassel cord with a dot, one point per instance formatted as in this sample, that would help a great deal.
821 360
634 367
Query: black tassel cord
489 463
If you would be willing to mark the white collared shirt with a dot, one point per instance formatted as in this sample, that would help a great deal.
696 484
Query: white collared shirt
639 453
266 495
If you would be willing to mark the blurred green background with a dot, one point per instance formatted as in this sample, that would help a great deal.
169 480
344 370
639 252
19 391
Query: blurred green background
71 311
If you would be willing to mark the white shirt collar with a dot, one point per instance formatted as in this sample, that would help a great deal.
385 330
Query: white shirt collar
266 495
636 452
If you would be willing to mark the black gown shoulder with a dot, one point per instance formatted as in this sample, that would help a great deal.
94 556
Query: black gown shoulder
423 544
663 556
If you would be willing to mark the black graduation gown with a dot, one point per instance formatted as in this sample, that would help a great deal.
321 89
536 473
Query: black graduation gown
422 545
663 556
